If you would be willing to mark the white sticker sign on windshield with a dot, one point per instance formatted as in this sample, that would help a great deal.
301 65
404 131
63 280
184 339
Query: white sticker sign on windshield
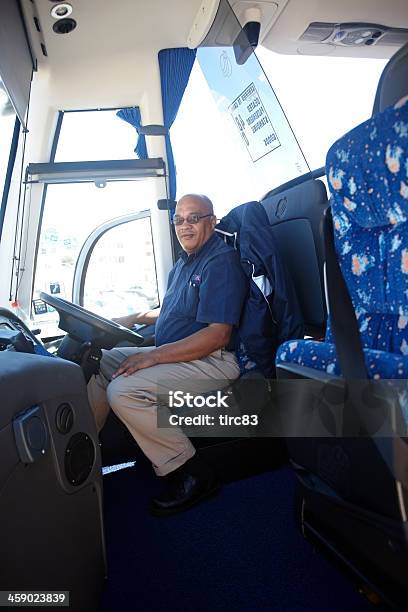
253 123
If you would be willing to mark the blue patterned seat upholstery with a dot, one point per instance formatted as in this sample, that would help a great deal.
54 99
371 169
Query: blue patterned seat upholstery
367 171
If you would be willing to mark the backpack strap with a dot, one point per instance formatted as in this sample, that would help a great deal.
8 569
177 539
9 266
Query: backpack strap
229 237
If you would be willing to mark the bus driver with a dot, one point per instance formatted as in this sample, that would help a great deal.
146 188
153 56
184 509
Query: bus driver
205 294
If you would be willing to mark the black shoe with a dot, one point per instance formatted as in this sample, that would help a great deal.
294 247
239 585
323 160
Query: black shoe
184 490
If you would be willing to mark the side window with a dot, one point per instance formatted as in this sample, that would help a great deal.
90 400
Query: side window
121 277
101 134
120 272
71 213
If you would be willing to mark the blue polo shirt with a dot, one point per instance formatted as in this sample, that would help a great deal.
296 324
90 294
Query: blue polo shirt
206 287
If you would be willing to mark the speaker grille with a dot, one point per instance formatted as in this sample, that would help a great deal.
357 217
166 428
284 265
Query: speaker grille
64 26
79 458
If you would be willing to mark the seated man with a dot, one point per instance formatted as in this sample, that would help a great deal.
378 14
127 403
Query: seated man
203 302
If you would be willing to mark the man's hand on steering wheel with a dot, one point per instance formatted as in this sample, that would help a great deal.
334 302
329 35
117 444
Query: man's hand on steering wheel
126 321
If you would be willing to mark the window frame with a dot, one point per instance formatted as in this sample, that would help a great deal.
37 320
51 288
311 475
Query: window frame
53 152
85 254
9 172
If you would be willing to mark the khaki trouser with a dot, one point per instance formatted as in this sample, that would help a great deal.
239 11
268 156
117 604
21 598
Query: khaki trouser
134 399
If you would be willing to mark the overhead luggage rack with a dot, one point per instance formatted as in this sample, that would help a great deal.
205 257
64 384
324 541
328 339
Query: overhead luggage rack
98 172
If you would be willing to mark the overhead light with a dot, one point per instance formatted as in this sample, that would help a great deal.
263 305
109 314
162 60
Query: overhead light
61 10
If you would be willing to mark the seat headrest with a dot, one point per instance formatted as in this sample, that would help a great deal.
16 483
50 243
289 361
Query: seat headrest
393 83
368 172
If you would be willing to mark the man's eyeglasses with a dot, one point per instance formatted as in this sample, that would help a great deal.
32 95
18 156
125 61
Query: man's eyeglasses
193 218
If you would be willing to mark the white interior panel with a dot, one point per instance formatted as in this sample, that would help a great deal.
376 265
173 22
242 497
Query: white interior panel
283 37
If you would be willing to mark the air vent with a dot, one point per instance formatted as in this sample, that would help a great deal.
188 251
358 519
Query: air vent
64 26
64 418
37 24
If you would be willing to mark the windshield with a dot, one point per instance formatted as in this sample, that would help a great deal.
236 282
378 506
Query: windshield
253 121
232 139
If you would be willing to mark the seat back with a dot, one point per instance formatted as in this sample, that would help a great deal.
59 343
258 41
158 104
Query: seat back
367 171
296 215
393 81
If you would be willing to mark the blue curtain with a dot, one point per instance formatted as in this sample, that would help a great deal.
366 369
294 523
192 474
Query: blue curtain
175 68
132 116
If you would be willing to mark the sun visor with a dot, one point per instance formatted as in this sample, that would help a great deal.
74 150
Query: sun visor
16 61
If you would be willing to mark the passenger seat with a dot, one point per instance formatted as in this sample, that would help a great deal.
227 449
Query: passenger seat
296 216
353 491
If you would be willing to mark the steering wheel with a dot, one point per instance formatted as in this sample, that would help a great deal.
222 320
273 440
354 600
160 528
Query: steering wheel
84 326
